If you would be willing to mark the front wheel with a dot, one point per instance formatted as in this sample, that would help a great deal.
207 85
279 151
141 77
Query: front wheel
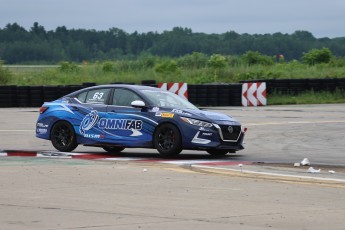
218 152
63 137
167 140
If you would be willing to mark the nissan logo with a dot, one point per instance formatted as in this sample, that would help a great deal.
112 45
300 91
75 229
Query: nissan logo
230 129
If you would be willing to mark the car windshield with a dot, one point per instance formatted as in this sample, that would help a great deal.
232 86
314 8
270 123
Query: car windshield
167 99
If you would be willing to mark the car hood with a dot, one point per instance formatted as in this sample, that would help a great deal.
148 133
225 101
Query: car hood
210 116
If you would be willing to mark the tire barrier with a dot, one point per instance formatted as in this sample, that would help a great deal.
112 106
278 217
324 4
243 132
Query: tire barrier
33 96
180 88
36 96
215 94
23 98
148 82
254 94
198 94
8 96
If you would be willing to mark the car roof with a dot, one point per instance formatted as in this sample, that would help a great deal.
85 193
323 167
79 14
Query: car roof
133 87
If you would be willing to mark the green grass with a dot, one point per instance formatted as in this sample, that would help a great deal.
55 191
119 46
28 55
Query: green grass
134 73
308 97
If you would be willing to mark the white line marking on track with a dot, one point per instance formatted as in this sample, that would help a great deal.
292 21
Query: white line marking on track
190 162
122 159
270 174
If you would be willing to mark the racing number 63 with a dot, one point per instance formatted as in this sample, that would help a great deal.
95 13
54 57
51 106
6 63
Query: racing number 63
98 95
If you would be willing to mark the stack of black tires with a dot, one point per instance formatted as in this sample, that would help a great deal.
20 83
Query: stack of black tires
8 96
35 96
199 94
32 96
297 86
215 94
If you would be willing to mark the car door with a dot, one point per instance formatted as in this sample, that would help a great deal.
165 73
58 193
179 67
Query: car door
91 106
128 125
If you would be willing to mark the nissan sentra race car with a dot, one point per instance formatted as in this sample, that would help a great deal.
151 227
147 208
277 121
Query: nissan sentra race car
115 117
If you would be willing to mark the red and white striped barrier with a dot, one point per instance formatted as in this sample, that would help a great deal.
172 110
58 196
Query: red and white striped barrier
180 88
254 94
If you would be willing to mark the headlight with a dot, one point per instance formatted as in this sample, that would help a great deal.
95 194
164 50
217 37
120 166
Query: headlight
197 122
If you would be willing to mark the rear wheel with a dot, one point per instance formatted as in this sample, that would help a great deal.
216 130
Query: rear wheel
167 140
63 137
113 149
218 152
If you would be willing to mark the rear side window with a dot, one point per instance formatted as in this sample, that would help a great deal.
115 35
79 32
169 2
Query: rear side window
98 96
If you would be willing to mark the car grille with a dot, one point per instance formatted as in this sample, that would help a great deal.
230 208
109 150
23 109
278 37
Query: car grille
230 136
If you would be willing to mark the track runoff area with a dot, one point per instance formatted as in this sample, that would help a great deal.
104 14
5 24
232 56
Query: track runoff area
224 166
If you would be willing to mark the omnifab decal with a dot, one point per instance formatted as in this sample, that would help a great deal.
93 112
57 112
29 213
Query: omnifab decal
124 124
88 122
92 119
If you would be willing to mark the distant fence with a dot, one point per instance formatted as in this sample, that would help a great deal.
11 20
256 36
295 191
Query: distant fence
199 94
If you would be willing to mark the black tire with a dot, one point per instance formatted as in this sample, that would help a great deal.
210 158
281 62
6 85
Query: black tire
167 140
63 137
113 149
218 152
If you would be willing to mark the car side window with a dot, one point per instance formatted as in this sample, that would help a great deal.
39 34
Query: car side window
98 96
124 97
82 96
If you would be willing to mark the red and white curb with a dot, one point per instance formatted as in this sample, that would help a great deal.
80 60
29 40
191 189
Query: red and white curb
216 164
107 157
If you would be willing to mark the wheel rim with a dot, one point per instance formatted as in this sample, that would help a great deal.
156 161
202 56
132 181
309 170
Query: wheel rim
166 139
62 135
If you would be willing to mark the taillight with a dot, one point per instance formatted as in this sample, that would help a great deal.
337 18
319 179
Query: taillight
43 109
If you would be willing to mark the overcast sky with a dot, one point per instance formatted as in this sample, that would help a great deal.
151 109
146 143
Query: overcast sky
323 18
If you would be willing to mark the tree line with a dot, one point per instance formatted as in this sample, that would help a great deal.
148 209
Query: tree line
38 46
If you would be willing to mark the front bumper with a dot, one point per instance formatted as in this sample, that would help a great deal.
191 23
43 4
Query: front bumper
238 145
213 138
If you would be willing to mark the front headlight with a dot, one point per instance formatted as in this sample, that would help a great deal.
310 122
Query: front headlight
197 122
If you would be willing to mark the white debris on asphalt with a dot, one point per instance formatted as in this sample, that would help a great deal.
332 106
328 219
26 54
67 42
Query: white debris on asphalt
240 165
312 170
305 161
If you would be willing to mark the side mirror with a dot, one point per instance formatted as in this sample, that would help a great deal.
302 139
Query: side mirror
138 104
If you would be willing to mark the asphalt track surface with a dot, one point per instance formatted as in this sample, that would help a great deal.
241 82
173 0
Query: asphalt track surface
257 188
278 134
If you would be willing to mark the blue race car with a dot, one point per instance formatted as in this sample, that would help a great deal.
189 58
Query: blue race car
116 117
